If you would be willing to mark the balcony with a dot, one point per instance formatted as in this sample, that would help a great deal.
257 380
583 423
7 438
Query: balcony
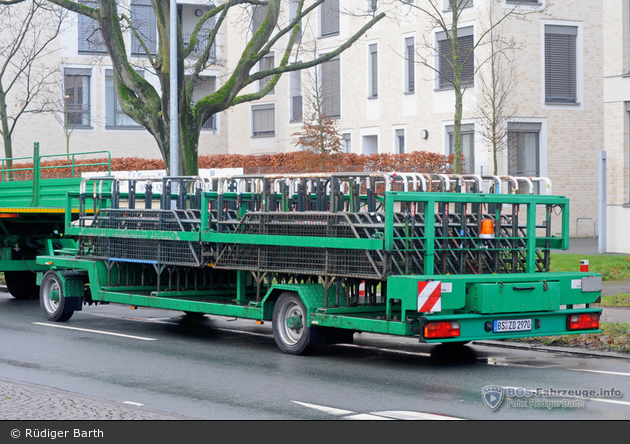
202 41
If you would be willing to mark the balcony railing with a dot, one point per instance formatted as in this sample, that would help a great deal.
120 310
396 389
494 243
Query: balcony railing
202 41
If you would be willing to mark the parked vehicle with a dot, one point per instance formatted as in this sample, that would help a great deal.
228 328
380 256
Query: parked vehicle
443 258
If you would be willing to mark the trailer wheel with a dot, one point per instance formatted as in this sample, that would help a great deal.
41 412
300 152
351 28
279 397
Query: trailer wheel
51 298
289 325
21 284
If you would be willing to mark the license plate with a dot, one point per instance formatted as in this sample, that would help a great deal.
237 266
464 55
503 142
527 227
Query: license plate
512 325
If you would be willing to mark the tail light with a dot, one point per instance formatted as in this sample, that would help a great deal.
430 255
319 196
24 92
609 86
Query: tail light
583 321
443 329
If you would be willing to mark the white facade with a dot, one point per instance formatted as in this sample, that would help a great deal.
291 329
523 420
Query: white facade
616 112
558 137
102 127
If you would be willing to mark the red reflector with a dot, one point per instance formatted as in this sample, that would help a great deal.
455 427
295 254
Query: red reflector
7 215
445 329
583 321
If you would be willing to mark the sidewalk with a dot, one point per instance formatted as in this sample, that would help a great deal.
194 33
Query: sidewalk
590 246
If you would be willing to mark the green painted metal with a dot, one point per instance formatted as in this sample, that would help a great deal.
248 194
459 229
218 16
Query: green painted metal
473 326
34 209
368 278
302 241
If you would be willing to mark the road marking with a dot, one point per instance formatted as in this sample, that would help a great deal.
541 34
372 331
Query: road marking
384 415
252 333
413 416
391 350
154 320
137 404
95 331
322 408
600 371
611 401
367 417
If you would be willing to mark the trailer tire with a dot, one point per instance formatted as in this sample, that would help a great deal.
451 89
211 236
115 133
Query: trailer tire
288 323
21 284
51 298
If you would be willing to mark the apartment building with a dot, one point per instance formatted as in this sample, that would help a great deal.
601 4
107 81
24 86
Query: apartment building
385 101
381 95
95 120
617 123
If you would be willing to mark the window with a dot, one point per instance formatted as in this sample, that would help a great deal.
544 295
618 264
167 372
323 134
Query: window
76 89
399 141
524 150
461 4
468 146
90 38
203 37
373 71
205 85
210 123
145 24
560 64
465 39
329 18
293 7
370 144
346 142
331 88
266 63
259 12
410 66
263 120
114 115
295 92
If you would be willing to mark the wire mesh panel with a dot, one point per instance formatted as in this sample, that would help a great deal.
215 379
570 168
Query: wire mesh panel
149 251
150 220
300 260
316 224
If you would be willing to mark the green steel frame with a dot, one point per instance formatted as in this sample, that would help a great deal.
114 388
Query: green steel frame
332 299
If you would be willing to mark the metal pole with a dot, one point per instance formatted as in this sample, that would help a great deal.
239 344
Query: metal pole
601 243
174 111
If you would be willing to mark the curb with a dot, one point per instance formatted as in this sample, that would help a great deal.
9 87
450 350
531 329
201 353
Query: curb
551 349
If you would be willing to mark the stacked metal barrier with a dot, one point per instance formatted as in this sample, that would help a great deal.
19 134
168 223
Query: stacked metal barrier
328 206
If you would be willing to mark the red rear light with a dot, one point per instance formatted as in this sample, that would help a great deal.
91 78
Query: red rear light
444 329
583 321
8 215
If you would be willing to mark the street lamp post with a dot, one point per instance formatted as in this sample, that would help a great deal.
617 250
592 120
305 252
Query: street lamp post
174 111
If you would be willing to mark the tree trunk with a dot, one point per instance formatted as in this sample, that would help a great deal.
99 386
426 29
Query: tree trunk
6 134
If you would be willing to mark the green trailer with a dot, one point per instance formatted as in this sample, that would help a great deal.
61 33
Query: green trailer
32 213
442 258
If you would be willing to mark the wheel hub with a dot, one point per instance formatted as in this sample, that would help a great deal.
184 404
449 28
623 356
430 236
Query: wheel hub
53 295
294 323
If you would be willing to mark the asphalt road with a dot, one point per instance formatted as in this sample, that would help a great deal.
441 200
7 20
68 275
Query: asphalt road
122 364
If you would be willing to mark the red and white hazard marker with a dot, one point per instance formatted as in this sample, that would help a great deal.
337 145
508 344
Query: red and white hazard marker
429 296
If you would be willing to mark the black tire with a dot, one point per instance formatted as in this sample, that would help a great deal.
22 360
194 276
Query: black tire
288 323
21 284
52 300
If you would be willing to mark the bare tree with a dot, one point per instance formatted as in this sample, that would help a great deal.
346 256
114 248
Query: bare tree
25 79
457 65
496 86
319 133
